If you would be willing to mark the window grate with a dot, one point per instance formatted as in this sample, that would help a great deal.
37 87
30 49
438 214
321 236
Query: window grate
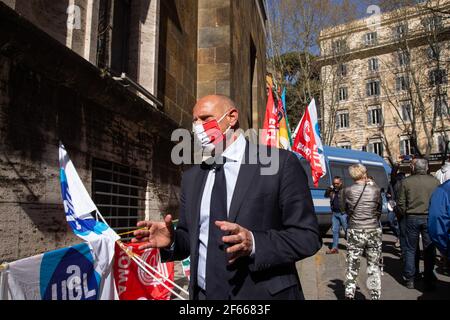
119 193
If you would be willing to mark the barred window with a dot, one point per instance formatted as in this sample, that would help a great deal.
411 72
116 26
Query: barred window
119 193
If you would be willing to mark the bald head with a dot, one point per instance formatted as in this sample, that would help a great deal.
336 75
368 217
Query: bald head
215 107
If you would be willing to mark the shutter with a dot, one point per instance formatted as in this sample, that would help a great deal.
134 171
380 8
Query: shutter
369 117
402 148
368 89
337 122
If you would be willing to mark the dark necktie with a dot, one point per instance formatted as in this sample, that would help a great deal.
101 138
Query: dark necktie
217 287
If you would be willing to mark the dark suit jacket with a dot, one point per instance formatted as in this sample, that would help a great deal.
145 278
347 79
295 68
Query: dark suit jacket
278 209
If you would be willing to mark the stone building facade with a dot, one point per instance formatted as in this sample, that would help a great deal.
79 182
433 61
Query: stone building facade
386 80
112 79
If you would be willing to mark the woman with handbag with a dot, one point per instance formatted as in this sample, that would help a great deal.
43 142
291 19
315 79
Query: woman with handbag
363 205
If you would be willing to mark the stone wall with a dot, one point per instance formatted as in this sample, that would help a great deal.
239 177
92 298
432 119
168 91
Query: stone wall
69 101
247 32
230 33
177 71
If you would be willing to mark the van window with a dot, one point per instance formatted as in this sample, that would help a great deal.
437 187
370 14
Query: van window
379 175
324 182
341 169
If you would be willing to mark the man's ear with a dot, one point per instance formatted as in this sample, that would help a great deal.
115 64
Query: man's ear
233 117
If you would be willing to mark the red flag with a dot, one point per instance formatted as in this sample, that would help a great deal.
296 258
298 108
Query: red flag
133 283
308 143
269 136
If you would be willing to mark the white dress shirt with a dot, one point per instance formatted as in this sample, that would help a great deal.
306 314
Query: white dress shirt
234 155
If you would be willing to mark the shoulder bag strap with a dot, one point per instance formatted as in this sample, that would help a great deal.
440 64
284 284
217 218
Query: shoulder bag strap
357 202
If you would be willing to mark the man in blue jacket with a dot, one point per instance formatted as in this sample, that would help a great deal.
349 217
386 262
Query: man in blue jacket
439 218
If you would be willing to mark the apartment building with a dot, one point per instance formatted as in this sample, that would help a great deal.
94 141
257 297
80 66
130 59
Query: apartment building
385 83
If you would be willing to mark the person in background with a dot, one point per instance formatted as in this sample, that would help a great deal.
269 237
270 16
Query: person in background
390 197
413 200
439 216
363 205
339 219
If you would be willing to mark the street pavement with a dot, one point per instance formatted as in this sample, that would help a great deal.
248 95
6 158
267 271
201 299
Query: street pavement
322 276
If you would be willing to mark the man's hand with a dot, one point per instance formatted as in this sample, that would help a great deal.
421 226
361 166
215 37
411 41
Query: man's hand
158 234
240 237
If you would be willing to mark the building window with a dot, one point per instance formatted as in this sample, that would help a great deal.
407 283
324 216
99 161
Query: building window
401 83
432 24
441 106
373 64
342 120
401 31
403 58
343 94
375 116
370 38
438 77
434 52
344 145
375 146
442 142
407 112
373 88
119 193
339 46
342 70
113 35
406 146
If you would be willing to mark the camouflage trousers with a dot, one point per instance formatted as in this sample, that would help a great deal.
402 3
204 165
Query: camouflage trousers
359 240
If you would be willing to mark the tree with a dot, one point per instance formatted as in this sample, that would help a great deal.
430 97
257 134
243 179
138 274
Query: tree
294 49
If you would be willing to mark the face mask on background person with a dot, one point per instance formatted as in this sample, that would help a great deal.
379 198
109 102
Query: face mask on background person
209 133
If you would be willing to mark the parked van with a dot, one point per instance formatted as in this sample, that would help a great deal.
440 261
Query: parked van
338 161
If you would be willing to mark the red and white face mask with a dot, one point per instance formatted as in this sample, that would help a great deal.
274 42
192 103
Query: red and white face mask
209 133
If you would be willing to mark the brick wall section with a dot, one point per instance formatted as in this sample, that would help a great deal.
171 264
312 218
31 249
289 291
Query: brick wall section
246 26
226 30
177 72
214 48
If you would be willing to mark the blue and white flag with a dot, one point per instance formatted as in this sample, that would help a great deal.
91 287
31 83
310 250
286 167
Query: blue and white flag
75 273
78 205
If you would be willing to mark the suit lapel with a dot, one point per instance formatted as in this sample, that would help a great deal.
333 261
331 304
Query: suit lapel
245 178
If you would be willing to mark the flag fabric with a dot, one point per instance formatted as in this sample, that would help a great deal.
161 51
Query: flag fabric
186 266
133 283
80 211
283 100
74 273
283 136
78 205
269 136
308 143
